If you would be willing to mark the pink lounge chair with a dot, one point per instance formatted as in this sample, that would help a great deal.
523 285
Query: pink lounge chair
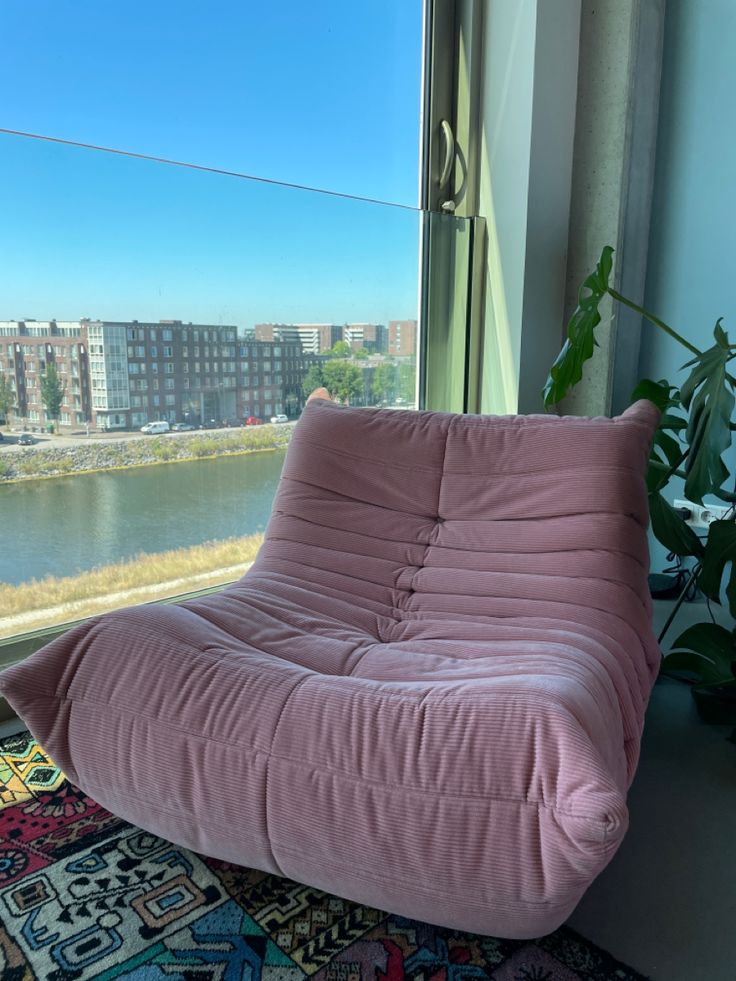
426 695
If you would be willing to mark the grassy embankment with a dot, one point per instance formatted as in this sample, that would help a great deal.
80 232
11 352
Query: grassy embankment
50 601
48 461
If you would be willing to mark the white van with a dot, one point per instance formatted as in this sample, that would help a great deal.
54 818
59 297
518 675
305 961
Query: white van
156 427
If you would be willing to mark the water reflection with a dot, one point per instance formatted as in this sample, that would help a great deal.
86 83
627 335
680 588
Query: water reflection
68 525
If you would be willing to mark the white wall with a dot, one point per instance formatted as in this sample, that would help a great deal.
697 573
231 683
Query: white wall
691 279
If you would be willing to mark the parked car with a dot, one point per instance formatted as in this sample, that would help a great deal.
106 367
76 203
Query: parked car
182 427
253 421
25 439
152 428
229 423
278 419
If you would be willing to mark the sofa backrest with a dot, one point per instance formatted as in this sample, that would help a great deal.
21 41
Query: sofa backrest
435 514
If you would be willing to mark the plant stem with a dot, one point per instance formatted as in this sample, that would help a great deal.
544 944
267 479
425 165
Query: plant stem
673 470
680 600
663 326
670 472
655 320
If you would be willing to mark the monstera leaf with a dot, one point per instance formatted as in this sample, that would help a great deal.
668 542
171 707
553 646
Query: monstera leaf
670 529
708 395
706 650
720 549
580 344
664 395
667 453
693 434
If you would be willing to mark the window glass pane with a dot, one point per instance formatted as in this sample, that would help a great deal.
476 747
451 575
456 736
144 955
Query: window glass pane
250 268
324 94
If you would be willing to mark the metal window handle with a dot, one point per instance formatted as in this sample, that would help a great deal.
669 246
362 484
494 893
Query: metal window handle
449 153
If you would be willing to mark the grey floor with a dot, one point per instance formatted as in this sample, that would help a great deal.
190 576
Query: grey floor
666 904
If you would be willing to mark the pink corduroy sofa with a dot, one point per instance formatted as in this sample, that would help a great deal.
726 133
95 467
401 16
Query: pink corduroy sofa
426 695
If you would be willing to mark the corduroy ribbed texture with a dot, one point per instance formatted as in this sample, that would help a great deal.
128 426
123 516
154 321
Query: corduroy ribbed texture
426 695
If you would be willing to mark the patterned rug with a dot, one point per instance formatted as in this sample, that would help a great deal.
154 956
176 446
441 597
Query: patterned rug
85 895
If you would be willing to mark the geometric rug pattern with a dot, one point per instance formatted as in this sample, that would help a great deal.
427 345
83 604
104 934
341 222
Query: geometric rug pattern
85 895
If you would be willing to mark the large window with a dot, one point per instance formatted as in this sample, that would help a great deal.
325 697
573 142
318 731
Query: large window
188 299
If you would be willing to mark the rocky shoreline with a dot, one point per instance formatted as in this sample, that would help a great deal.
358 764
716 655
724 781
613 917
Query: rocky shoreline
40 462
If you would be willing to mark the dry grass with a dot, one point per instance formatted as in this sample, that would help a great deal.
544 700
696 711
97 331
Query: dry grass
146 576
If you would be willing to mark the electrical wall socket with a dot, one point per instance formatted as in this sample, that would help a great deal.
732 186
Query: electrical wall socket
701 515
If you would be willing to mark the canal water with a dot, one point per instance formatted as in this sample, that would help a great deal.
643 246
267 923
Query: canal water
68 525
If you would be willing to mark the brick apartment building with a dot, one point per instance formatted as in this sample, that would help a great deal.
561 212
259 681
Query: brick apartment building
402 338
27 348
122 374
270 377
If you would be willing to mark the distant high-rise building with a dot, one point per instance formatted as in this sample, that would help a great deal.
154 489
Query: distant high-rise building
314 338
372 337
402 337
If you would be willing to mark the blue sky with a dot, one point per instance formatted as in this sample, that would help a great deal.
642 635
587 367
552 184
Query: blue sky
323 94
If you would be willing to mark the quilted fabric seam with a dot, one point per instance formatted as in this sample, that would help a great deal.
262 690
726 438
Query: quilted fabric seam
352 554
320 568
205 825
291 618
282 513
137 714
374 642
480 801
355 500
293 582
374 460
344 551
399 610
90 626
271 755
515 576
442 468
597 553
389 788
573 470
438 703
344 499
433 893
510 616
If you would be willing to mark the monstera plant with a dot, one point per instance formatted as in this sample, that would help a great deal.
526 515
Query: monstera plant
693 434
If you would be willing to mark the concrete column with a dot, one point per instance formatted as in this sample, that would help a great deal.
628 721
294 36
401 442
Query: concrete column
613 170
